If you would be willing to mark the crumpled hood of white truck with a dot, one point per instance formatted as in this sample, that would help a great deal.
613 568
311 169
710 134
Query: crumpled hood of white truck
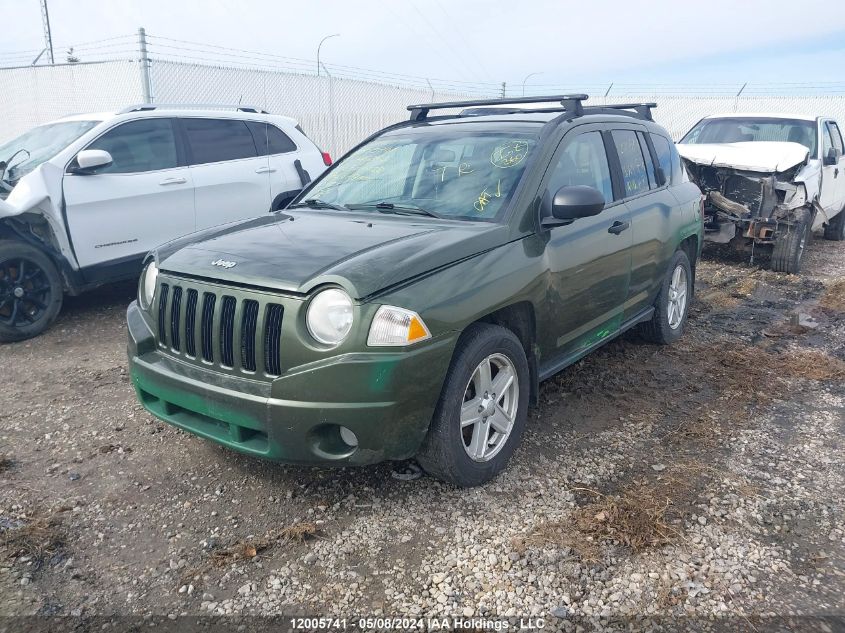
762 156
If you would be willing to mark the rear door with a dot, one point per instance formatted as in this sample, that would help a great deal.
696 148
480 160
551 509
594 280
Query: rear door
650 203
279 153
231 182
145 197
832 196
589 260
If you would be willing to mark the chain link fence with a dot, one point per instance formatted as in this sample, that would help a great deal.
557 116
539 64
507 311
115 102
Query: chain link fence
337 112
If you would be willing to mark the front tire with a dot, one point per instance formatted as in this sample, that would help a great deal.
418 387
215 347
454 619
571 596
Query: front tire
788 251
835 229
483 408
672 304
30 291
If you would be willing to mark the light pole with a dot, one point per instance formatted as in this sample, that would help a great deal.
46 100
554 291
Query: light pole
318 49
527 77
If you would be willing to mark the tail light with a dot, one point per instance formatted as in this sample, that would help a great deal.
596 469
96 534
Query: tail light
327 159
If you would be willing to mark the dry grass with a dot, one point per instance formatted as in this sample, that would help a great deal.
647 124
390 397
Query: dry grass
39 539
639 517
250 548
834 296
299 532
811 364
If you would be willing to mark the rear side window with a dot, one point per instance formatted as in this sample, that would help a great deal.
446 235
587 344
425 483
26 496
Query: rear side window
649 163
139 146
632 162
664 155
216 140
269 139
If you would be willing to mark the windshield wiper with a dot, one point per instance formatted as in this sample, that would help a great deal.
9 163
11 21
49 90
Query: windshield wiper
316 203
401 208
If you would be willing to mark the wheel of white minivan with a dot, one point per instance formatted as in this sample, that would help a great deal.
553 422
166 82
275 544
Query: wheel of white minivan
30 291
482 410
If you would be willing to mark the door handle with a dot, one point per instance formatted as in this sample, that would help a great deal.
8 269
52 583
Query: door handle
617 227
173 181
265 170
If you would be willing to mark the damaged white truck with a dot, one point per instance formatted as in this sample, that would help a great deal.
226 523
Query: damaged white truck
768 180
85 198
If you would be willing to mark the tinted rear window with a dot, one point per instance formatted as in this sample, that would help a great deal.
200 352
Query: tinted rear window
632 162
664 155
216 140
269 139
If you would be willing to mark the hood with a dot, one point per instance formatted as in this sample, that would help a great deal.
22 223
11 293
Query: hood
762 156
301 249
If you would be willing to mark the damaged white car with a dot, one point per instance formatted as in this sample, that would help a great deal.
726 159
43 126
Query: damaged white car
768 179
83 199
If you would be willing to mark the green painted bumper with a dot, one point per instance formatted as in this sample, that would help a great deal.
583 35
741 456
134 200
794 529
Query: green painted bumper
385 398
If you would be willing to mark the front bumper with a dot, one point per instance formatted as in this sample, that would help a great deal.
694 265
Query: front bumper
385 398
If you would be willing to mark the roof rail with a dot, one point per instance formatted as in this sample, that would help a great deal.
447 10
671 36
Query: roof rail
569 102
144 107
572 104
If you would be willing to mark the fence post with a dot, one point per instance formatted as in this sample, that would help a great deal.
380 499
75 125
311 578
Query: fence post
145 66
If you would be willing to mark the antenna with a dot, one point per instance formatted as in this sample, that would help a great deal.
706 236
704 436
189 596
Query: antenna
48 39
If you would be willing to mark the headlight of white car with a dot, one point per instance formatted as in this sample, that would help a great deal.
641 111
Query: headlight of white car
329 317
396 326
147 285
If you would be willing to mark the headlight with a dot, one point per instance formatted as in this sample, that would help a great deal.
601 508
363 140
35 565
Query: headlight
396 326
147 285
329 316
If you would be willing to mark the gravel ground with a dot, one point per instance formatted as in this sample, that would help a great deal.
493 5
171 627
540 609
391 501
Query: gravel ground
678 483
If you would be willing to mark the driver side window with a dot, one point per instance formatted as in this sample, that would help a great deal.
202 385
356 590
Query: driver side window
139 146
583 161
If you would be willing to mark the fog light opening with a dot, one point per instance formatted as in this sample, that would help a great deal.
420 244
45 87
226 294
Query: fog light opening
348 436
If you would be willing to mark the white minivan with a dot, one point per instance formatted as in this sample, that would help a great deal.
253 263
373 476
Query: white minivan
84 198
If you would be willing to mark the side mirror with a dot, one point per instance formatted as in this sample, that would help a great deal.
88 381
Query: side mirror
90 160
573 202
832 157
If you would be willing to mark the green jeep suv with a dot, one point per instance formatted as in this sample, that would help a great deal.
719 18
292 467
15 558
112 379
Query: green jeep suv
411 299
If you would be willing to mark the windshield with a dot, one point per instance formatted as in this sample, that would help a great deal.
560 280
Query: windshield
38 145
451 173
743 129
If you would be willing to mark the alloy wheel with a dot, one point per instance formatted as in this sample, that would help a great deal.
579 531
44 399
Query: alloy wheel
489 409
677 303
24 292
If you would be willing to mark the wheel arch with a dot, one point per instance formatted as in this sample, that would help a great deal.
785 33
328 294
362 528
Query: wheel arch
520 318
37 232
692 247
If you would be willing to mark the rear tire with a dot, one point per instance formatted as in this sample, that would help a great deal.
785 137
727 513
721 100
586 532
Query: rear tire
30 291
672 304
475 430
835 229
790 244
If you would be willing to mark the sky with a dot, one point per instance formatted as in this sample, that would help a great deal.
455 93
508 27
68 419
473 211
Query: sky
568 44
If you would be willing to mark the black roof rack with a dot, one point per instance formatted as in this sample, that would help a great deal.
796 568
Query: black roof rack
568 103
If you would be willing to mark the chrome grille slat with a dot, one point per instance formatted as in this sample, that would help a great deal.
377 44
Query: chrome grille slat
211 325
